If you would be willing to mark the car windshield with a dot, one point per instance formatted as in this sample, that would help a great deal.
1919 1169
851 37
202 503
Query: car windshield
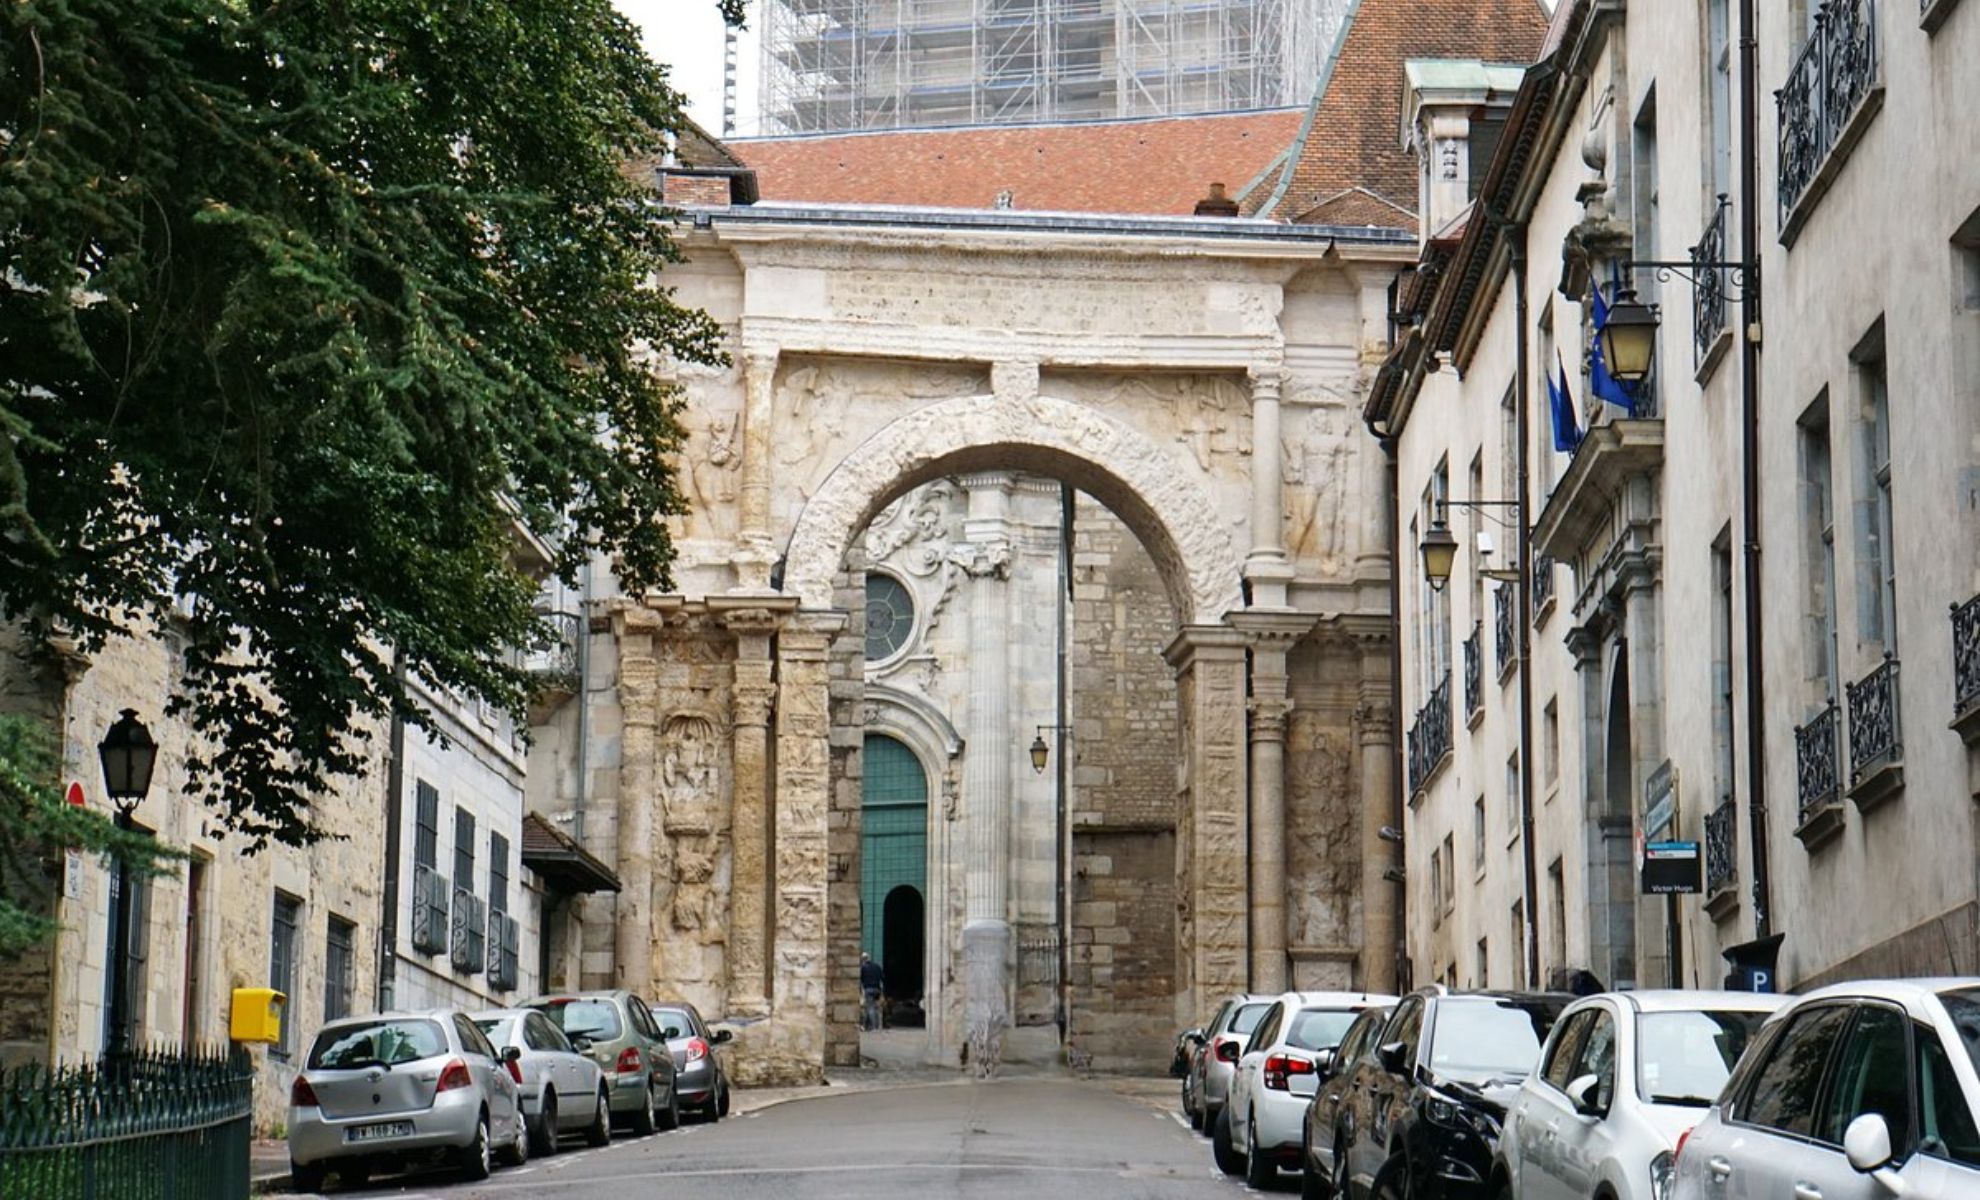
497 1029
1480 1038
1964 1008
594 1019
1684 1057
673 1022
380 1043
1247 1018
1319 1028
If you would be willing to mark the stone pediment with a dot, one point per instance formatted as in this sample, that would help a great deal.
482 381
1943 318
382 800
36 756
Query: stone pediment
1611 455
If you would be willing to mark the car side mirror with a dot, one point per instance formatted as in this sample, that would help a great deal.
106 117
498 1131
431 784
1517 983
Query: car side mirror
511 1054
581 1044
1867 1146
1323 1064
721 1037
1193 1036
1584 1091
1392 1058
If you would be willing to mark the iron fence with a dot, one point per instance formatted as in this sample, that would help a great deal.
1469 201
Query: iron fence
1829 79
1721 847
1430 734
557 663
1817 775
1474 669
1966 656
162 1124
1502 626
1875 738
1708 298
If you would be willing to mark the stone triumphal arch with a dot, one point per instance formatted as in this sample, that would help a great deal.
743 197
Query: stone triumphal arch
1101 480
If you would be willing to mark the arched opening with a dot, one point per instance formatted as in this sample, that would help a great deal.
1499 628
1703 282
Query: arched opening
902 943
1619 802
893 863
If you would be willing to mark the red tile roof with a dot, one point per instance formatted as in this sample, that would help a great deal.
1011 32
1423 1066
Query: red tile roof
1350 167
1162 165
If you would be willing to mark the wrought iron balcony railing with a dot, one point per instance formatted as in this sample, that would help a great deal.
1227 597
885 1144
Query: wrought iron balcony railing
1875 738
1818 776
1721 847
1708 298
1430 735
1829 79
1503 632
557 663
1474 668
1543 583
1966 656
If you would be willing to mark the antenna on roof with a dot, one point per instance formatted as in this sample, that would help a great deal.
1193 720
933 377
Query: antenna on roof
729 81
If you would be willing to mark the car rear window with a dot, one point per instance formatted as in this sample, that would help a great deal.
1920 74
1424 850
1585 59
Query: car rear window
1248 1016
594 1019
1481 1038
1685 1057
1319 1028
386 1043
497 1030
674 1018
1963 1006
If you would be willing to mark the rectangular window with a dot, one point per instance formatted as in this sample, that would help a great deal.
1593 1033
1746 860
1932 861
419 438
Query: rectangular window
1512 793
339 955
1543 429
426 825
463 850
1477 483
498 873
1484 966
1450 873
1718 101
1818 523
1877 550
1509 444
1478 833
1436 887
1436 604
1550 745
1722 664
1644 216
1557 928
1518 942
195 981
283 949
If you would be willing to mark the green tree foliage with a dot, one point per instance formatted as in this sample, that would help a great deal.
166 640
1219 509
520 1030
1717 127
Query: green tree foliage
299 303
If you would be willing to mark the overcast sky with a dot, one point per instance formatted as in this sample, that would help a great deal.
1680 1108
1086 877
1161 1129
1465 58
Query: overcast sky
687 36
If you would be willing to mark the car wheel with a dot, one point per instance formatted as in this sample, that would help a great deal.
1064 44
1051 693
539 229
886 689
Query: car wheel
355 1175
1311 1185
543 1140
1258 1170
643 1121
1210 1115
599 1132
516 1153
1343 1185
722 1109
670 1116
1392 1181
477 1157
1228 1160
306 1177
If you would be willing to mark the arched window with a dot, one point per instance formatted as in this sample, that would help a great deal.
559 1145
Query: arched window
893 856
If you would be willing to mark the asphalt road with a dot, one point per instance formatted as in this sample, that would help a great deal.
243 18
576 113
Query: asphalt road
1041 1139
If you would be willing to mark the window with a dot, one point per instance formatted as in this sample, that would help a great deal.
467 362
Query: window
1718 101
282 951
1518 942
889 616
1484 978
498 873
1872 1075
1478 833
426 826
1268 1029
1549 360
338 958
1722 664
1598 1057
1436 886
1644 223
1436 602
1562 1054
1557 928
1450 873
1550 744
1512 793
1509 443
1685 1057
1406 1027
1877 550
1819 548
1946 1126
1477 483
1783 1092
463 850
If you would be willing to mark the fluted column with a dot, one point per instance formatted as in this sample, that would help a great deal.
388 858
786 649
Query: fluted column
637 628
756 552
1375 743
1271 637
749 915
987 772
1266 566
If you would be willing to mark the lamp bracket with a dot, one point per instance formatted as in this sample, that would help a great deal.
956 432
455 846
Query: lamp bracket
1690 270
1501 522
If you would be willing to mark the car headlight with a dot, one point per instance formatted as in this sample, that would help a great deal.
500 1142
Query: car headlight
1663 1175
1450 1114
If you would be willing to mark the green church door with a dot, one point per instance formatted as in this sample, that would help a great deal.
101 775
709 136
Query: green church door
893 863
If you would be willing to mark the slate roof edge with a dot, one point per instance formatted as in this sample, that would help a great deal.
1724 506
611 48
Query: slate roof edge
1018 220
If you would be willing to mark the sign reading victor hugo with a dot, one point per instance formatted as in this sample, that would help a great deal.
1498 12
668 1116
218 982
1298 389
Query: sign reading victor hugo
1671 869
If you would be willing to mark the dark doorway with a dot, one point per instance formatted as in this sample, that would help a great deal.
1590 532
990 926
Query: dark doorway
901 943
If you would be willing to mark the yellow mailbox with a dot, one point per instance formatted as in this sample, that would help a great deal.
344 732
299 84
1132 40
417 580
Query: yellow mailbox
258 1015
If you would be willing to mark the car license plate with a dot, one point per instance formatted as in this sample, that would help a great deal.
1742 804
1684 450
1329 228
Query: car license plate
372 1133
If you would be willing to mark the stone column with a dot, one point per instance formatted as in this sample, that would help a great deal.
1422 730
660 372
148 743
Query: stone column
637 629
798 856
987 772
749 929
1271 637
1375 746
1209 665
756 552
1267 568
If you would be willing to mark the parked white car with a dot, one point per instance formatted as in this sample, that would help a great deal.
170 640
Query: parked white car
1276 1076
561 1091
1621 1077
1861 1091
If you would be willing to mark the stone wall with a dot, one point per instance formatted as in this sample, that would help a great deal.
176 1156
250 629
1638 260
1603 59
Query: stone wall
1123 981
848 675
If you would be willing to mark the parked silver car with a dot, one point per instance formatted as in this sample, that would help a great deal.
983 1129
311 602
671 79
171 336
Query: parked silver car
562 1091
1216 1057
1861 1091
1621 1077
399 1090
699 1072
616 1028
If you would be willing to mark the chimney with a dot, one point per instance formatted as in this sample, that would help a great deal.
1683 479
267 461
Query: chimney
1216 204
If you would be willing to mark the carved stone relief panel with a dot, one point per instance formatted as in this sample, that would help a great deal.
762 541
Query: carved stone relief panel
1321 499
826 407
1323 860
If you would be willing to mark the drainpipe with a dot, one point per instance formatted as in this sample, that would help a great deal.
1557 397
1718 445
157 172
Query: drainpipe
1749 402
1064 774
385 990
1516 238
583 699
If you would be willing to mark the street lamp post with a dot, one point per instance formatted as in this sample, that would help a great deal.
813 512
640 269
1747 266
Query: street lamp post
127 754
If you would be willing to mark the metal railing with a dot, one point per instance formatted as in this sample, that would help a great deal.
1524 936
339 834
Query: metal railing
1817 774
470 940
1966 656
1474 669
1430 734
1721 847
1830 77
503 945
1502 626
557 663
1875 736
429 912
163 1124
1543 583
1708 297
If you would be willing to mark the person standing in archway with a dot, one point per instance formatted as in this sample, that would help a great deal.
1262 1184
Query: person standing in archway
871 980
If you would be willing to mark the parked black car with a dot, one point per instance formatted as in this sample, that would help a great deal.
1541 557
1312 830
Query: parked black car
1421 1117
1316 1160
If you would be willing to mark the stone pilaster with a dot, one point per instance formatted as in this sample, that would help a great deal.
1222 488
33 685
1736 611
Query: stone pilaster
638 629
755 553
1375 748
1267 567
1271 637
749 915
1209 666
986 795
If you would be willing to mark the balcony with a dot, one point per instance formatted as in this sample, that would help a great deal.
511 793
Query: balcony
1504 632
1430 737
1722 859
429 913
553 667
1474 668
1966 670
1832 91
470 933
1543 586
503 943
1818 778
1876 742
1614 454
1708 297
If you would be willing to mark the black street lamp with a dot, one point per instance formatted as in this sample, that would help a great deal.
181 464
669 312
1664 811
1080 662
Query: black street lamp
128 755
1040 752
1629 338
1439 553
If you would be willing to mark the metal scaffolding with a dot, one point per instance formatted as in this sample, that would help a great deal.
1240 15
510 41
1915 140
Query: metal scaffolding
891 64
